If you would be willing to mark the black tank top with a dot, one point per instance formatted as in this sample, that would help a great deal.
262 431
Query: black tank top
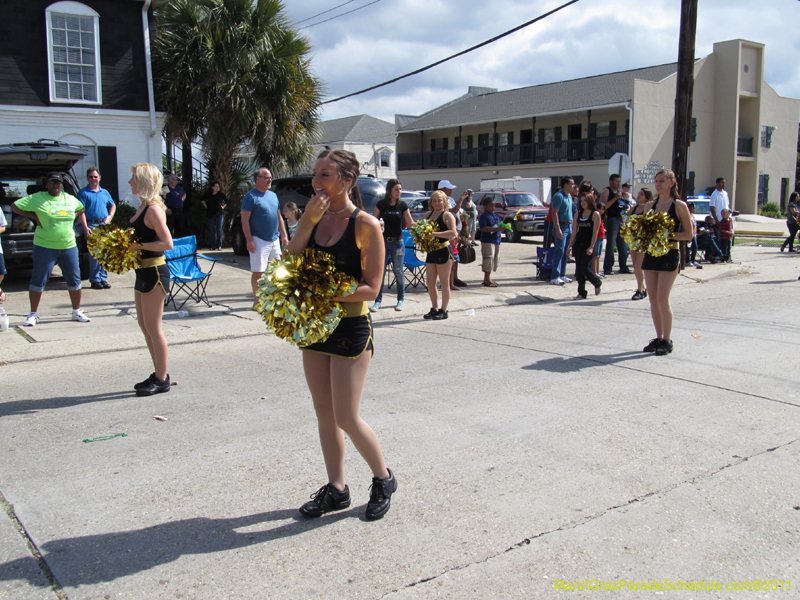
145 235
439 221
585 230
345 253
673 212
639 209
613 211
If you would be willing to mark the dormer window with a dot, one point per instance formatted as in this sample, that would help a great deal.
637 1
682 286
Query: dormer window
386 158
73 48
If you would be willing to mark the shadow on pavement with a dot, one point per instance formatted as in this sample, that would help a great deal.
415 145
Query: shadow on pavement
92 559
571 364
772 282
25 407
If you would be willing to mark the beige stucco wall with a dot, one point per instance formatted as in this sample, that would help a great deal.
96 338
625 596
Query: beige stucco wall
779 160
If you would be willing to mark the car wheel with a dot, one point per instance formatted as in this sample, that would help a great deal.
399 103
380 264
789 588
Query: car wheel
512 235
239 243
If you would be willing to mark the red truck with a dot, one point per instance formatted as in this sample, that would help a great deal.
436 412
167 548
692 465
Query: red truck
523 211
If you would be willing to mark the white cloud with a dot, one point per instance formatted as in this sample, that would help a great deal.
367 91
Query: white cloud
393 37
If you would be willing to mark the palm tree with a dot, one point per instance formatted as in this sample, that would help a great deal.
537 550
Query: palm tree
234 73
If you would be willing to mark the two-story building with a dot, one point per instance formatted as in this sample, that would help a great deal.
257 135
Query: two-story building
370 139
741 130
81 72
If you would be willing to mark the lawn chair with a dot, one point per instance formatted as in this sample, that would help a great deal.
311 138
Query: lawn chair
544 263
185 274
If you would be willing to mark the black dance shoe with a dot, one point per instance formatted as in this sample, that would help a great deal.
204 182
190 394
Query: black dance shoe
326 499
431 314
145 383
653 345
442 314
665 347
156 386
380 497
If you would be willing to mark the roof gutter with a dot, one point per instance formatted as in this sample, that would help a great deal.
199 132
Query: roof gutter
630 131
519 117
149 70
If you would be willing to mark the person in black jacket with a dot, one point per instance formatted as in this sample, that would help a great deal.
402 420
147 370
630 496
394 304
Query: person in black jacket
215 203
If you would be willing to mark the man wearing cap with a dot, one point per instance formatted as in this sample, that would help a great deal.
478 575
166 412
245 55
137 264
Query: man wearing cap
174 196
100 210
455 208
54 212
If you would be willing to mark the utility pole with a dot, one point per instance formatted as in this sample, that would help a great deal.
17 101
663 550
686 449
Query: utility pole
683 96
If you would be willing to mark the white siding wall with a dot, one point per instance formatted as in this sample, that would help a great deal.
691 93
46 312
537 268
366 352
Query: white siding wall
129 132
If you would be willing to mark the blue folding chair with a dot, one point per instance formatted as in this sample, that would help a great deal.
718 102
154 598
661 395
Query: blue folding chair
185 274
414 268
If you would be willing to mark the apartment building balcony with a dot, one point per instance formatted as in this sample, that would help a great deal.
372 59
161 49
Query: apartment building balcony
600 148
744 146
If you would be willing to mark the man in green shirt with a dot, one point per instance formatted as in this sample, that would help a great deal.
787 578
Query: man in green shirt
54 212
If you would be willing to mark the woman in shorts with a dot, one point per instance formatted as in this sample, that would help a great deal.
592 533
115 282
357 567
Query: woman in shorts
439 262
336 369
152 278
660 272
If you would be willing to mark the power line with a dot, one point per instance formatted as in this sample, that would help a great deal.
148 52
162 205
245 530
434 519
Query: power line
341 15
324 12
463 52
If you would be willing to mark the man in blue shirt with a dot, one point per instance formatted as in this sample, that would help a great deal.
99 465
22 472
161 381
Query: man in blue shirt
562 230
262 226
174 196
100 210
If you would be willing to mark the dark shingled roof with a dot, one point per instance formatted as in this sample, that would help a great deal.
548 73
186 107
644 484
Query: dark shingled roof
575 94
360 128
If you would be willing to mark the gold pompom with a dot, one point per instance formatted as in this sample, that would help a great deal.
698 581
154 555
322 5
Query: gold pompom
295 297
649 233
110 246
422 232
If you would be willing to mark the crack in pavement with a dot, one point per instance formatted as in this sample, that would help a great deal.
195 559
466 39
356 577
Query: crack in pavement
593 517
8 508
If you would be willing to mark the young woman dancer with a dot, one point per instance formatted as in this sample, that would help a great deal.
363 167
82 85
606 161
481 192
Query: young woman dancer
395 214
585 226
642 198
438 263
660 272
336 369
152 279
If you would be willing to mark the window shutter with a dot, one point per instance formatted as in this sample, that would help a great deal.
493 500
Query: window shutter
694 130
612 129
769 140
510 138
541 135
444 143
592 130
107 163
557 133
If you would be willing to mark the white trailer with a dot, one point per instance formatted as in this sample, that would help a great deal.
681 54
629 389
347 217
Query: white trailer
540 186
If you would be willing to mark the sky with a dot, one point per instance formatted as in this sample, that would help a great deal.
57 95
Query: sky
390 38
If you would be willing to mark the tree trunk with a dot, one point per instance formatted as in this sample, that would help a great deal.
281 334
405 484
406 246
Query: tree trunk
186 175
223 164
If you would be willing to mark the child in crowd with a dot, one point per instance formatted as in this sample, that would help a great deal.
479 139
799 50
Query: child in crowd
706 240
292 215
726 230
489 226
601 235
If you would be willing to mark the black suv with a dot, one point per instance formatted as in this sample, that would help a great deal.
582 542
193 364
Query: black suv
298 189
23 168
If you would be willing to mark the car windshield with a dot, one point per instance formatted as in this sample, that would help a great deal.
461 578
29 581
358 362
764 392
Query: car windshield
12 190
701 207
523 200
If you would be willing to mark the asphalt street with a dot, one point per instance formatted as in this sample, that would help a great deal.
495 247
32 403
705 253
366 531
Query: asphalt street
535 445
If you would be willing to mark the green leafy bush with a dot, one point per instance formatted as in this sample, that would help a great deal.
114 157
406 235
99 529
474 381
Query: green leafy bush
770 209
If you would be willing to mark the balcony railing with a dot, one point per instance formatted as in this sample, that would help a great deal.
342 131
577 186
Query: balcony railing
601 148
744 146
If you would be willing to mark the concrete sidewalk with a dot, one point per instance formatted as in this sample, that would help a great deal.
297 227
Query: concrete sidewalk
534 444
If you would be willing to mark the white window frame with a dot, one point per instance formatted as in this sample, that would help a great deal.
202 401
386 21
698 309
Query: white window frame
81 10
388 151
